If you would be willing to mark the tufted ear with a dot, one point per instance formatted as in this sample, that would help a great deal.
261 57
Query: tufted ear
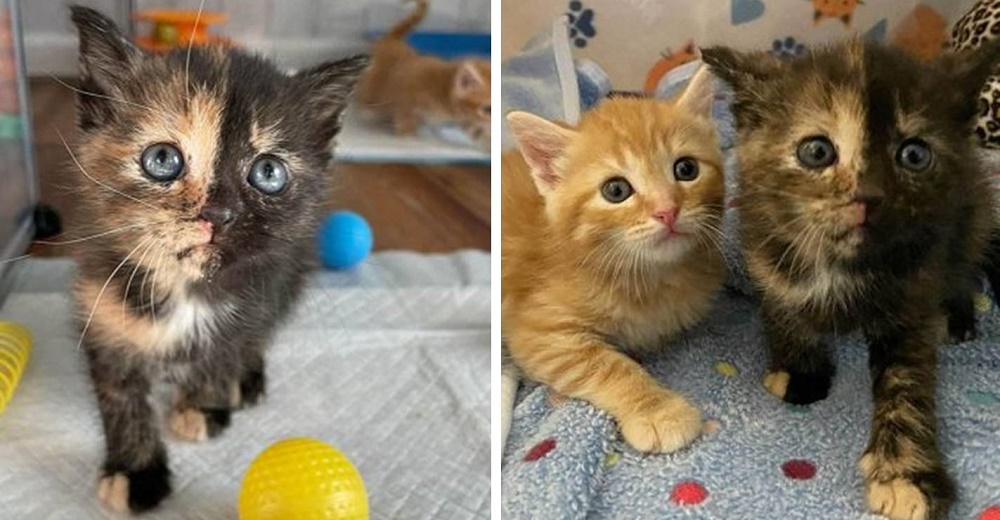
742 70
107 61
543 145
329 87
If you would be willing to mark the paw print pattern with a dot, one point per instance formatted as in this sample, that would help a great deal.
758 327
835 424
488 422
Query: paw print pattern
787 48
581 21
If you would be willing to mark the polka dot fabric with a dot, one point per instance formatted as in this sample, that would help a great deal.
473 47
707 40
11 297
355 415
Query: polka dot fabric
762 458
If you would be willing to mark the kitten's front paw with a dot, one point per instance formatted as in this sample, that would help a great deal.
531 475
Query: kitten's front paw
920 496
897 499
798 387
962 326
670 425
198 425
135 491
252 388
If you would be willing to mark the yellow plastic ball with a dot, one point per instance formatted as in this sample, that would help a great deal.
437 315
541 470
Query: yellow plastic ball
302 479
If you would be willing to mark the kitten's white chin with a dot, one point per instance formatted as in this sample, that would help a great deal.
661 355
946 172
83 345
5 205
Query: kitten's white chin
670 250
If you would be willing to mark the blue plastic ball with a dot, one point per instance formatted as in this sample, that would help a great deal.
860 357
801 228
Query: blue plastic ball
345 240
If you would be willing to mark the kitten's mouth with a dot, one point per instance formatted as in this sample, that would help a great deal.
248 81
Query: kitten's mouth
198 252
855 235
667 234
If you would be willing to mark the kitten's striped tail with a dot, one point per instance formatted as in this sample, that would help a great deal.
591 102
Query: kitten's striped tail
407 24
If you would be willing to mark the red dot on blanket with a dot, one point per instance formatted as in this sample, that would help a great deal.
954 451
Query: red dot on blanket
688 493
540 450
991 513
798 469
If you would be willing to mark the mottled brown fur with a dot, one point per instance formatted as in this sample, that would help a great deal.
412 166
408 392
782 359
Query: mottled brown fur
186 277
864 242
585 281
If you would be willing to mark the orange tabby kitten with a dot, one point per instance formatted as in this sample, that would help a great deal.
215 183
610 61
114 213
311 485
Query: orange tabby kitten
608 247
409 88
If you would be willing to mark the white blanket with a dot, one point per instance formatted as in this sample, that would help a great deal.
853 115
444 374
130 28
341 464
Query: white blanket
390 364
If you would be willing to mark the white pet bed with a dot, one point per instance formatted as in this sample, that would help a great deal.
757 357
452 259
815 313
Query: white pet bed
364 141
389 363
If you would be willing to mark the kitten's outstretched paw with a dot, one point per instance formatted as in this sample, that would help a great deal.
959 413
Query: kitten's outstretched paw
669 426
135 491
798 387
897 499
776 383
189 424
919 496
198 425
113 492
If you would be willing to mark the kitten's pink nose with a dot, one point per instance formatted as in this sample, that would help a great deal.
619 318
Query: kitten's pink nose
667 216
866 203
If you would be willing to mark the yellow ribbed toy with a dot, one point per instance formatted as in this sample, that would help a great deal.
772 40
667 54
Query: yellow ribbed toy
302 479
15 345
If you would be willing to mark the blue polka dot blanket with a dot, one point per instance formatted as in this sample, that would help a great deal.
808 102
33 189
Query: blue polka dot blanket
759 458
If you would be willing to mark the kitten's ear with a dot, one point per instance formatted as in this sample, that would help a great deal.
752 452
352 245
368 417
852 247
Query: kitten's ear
965 74
741 69
329 87
106 54
107 59
542 143
468 79
699 93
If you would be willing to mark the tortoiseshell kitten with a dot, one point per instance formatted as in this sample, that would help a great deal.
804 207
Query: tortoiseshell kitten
207 169
863 207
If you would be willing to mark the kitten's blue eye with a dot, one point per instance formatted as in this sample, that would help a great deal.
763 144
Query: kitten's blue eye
162 162
268 175
816 152
685 169
616 190
914 155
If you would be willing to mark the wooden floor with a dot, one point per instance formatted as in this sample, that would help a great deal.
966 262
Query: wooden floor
420 208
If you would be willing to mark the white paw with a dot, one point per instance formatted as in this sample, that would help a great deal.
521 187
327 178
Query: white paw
189 424
113 492
235 395
777 383
673 424
897 499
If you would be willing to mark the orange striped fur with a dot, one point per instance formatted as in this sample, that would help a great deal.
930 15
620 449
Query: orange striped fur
585 281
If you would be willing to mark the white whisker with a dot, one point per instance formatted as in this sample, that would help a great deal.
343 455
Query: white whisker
80 166
16 258
107 282
91 237
132 276
187 59
152 289
95 94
